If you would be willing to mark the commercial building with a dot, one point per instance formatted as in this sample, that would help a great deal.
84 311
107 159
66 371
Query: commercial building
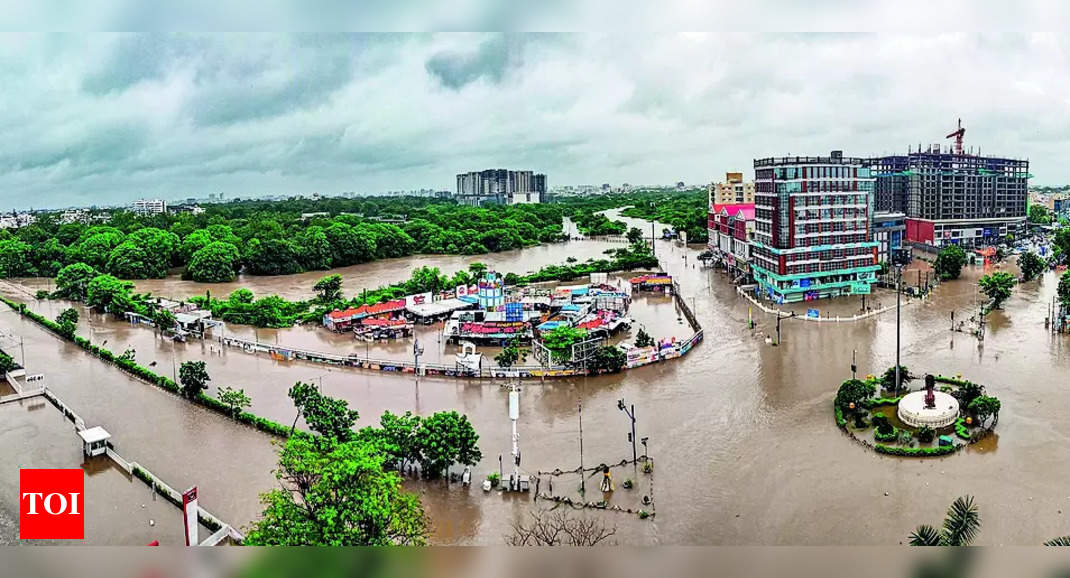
811 233
498 186
732 191
149 206
731 228
888 230
954 197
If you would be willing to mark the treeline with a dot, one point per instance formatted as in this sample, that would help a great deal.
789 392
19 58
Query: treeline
682 210
272 238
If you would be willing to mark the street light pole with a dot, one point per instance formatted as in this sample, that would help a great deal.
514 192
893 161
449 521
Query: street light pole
631 415
898 306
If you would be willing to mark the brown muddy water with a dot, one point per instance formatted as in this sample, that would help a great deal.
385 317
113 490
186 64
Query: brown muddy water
745 446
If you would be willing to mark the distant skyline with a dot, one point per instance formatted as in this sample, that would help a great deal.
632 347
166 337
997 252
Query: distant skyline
105 119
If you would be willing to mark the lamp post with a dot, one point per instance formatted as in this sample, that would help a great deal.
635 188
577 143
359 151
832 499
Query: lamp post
631 415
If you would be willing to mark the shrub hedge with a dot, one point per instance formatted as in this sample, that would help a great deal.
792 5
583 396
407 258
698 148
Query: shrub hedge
840 421
888 437
961 430
951 380
147 375
916 452
878 401
148 479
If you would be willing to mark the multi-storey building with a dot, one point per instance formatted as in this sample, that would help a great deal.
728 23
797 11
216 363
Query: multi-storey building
731 228
149 206
496 186
888 230
732 191
811 236
953 197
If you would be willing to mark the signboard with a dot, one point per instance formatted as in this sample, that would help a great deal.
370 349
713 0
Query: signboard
804 283
462 290
514 311
860 288
814 313
189 515
418 299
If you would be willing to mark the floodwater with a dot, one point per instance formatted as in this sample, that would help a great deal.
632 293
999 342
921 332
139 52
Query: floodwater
745 447
119 509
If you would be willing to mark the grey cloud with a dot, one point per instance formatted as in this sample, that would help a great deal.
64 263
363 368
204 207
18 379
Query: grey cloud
490 60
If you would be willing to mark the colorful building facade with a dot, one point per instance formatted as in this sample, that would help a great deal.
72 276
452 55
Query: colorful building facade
811 235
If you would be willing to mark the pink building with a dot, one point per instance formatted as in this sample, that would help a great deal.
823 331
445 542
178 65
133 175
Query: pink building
731 228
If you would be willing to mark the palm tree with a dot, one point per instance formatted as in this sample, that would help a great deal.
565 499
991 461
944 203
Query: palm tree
1061 541
961 525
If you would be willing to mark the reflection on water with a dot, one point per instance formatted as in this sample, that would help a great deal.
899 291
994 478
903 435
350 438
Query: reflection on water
746 449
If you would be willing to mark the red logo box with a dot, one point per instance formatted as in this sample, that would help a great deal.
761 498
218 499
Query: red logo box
52 504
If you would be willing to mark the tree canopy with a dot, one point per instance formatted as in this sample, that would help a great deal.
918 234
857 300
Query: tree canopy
1031 265
997 286
949 262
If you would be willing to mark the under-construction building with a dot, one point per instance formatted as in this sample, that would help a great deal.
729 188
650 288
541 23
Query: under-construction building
951 196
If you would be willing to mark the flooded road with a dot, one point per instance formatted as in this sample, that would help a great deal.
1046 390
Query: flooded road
745 446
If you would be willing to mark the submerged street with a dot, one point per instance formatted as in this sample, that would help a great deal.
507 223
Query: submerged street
741 432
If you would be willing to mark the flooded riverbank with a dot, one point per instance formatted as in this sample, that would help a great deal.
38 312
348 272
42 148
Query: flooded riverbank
746 450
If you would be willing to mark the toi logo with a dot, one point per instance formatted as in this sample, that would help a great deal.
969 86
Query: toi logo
51 504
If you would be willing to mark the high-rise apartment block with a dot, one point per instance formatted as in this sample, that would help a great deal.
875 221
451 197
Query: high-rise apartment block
149 207
732 191
496 186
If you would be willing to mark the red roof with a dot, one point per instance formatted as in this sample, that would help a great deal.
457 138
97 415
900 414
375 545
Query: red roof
366 310
592 324
735 209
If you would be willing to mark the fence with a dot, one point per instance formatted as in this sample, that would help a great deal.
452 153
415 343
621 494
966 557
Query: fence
221 528
746 290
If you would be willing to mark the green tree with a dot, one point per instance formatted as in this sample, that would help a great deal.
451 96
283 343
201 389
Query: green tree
1064 289
985 406
272 257
337 494
164 319
1031 265
635 236
327 416
477 269
68 322
106 293
854 391
6 363
446 438
235 399
559 341
399 438
967 392
949 262
315 249
95 246
215 263
997 286
16 259
905 377
511 354
328 288
194 378
643 339
1062 240
608 359
72 281
1039 215
961 526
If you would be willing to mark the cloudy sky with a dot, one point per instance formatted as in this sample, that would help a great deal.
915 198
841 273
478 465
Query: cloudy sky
94 118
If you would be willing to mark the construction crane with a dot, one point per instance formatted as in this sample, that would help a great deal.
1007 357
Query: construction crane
958 134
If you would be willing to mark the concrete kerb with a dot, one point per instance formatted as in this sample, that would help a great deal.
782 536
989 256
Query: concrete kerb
745 290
